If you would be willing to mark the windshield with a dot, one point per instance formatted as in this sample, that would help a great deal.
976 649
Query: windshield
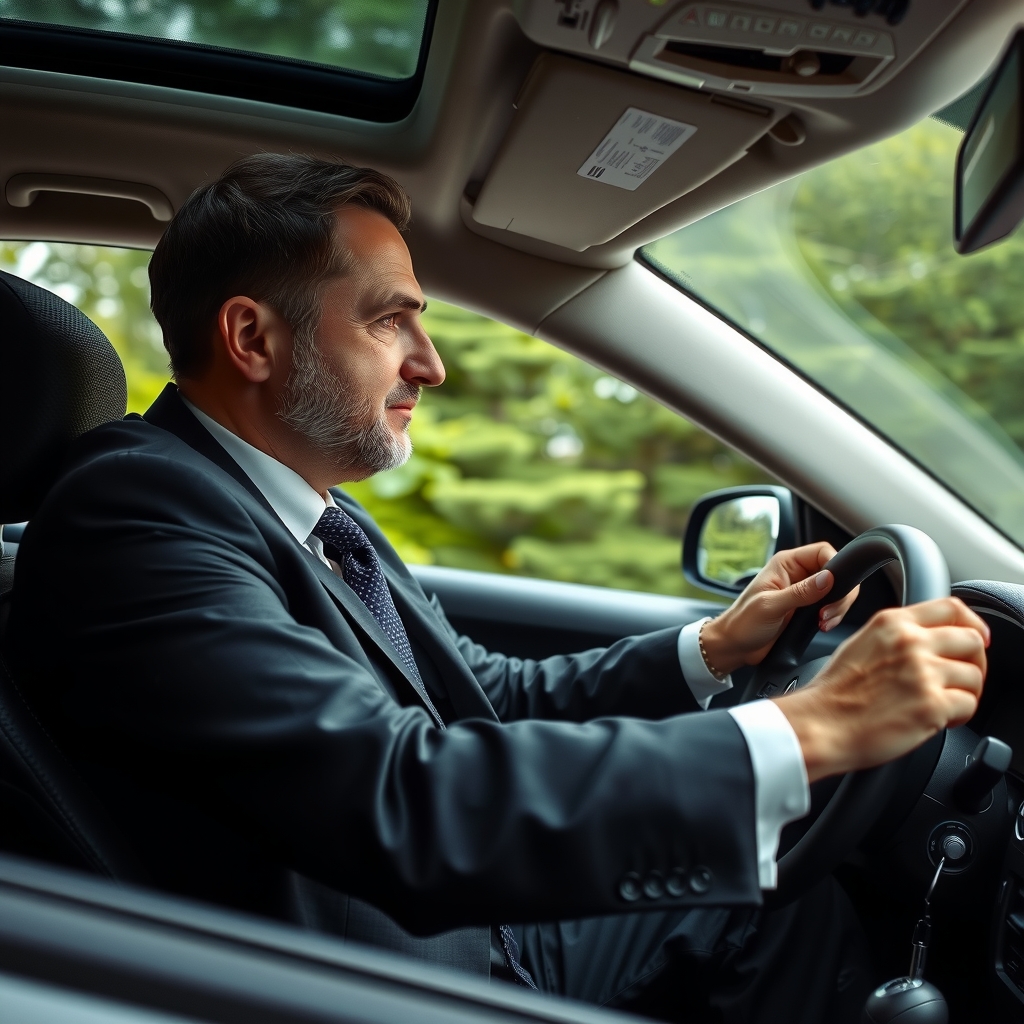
848 273
358 35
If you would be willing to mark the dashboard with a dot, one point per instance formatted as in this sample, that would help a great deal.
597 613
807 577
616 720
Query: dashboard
1000 851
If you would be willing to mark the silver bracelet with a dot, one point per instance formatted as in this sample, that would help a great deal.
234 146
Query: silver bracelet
704 654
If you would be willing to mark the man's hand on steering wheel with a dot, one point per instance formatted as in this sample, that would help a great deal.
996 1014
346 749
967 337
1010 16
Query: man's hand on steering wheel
745 632
907 674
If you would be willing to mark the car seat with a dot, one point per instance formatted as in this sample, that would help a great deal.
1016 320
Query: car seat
60 377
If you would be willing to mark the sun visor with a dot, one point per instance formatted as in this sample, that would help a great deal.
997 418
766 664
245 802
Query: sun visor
592 150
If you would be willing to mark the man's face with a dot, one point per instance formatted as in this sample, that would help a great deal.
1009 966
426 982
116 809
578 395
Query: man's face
354 383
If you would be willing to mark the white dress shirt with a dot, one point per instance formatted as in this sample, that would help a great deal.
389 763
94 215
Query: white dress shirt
781 792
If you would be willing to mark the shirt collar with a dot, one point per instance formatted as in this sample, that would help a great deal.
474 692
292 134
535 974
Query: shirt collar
297 505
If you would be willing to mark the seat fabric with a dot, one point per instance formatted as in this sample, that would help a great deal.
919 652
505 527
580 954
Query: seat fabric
59 377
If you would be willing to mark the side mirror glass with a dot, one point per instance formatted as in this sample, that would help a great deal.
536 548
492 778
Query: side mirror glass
733 533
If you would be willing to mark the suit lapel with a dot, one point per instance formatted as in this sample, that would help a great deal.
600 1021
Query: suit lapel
351 603
462 688
421 622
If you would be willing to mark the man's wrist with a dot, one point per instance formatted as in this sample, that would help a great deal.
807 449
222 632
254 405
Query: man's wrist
810 723
718 648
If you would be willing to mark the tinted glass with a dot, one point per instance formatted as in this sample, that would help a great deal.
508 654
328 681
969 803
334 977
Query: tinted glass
370 36
848 272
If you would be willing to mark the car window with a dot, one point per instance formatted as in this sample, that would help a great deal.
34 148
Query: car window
848 273
526 460
357 35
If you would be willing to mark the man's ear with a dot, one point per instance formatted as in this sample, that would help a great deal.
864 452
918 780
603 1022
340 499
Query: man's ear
254 337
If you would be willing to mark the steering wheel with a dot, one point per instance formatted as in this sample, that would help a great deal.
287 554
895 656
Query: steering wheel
860 796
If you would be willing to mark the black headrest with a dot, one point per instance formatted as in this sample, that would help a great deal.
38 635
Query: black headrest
59 377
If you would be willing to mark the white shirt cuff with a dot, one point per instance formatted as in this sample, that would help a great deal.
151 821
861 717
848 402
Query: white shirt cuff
703 685
781 790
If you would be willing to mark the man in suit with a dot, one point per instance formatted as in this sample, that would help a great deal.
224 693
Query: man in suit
281 720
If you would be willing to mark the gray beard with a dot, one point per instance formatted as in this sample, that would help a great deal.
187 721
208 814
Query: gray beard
318 404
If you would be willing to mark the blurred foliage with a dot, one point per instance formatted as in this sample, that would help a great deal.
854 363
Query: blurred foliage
361 35
876 229
527 460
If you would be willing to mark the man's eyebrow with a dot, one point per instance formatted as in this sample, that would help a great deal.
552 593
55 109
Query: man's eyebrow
403 301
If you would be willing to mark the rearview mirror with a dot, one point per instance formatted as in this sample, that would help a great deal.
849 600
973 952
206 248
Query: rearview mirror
990 161
731 535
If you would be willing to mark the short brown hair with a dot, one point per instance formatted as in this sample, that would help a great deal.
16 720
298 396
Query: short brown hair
264 228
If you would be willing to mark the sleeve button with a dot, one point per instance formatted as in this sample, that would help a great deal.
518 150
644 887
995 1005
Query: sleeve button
676 884
700 880
629 887
654 885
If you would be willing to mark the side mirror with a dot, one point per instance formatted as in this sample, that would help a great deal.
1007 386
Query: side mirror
732 533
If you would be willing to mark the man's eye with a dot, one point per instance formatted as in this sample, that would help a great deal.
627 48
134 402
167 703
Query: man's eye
389 321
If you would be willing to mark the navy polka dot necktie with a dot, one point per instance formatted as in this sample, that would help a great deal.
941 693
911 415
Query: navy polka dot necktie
346 542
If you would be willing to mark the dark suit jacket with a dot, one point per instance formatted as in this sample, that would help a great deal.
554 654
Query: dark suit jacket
243 717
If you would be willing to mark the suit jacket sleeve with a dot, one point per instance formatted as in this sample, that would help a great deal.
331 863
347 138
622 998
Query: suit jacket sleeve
639 676
176 645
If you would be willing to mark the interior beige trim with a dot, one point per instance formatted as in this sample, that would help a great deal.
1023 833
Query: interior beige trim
638 327
22 190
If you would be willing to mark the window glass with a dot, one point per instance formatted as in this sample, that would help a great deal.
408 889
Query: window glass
526 460
848 272
358 35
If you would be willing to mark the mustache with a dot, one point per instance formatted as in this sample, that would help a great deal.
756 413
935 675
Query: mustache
402 392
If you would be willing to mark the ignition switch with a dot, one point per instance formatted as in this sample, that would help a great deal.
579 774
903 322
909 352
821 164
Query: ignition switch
954 841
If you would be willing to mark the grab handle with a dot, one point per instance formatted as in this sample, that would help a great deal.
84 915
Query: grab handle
22 190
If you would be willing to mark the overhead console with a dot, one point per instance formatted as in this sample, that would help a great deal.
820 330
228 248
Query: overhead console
668 95
788 48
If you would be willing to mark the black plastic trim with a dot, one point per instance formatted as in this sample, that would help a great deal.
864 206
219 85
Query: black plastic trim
526 617
213 70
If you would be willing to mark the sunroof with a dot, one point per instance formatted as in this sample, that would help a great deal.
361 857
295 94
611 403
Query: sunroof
372 37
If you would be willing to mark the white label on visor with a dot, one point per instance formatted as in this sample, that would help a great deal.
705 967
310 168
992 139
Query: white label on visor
634 149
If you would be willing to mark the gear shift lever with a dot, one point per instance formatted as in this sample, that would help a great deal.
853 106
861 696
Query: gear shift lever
911 999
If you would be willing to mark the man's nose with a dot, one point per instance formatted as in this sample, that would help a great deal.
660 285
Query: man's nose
424 366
